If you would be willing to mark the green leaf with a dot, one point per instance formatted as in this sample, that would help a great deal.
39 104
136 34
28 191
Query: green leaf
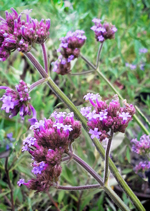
4 193
61 195
128 154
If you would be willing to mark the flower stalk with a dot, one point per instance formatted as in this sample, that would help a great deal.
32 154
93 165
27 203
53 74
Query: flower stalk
75 188
45 57
107 153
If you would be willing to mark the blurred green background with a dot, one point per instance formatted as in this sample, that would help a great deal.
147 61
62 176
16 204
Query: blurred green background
132 19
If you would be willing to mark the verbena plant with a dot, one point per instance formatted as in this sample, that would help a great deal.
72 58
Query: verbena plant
50 140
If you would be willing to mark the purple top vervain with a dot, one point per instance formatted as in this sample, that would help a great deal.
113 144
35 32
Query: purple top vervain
50 140
21 34
17 101
106 117
103 31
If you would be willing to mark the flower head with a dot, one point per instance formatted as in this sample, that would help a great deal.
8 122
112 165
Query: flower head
17 101
141 147
50 140
107 117
103 31
19 34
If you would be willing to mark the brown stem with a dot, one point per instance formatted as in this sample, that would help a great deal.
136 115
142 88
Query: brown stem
87 168
9 183
52 200
74 188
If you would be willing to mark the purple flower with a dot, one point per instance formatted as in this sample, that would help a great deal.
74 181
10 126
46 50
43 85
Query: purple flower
58 125
94 28
101 38
125 116
47 147
7 103
91 115
20 34
142 166
107 117
85 110
37 125
95 133
70 58
88 96
100 29
17 101
142 66
38 168
103 31
70 46
20 182
67 128
96 20
143 50
102 115
141 147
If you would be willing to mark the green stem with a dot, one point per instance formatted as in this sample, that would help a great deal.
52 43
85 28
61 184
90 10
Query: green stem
142 115
98 55
79 116
107 158
115 198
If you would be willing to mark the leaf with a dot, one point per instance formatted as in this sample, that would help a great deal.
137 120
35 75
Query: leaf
4 193
61 195
3 207
128 154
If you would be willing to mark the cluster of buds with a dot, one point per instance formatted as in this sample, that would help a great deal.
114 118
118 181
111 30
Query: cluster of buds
69 49
105 118
20 34
103 31
52 137
17 101
141 147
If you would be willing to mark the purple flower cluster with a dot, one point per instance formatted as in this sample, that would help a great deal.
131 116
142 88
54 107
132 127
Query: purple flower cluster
20 34
51 139
104 117
141 147
17 101
142 166
69 49
103 31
